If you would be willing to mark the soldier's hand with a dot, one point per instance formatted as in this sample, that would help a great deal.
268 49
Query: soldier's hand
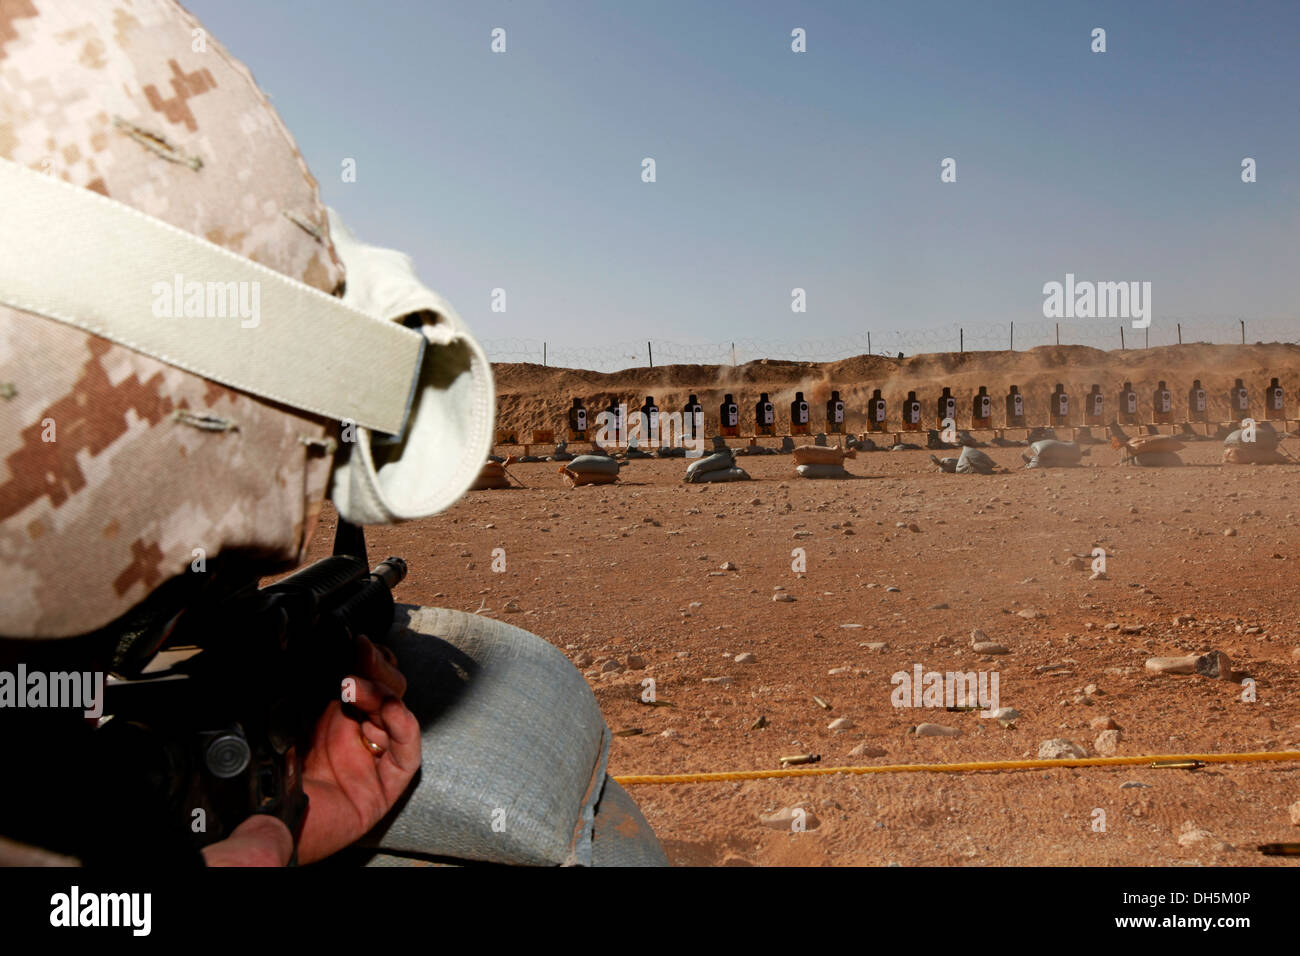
357 768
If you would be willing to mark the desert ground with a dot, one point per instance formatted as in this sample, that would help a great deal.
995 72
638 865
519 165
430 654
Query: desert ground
902 563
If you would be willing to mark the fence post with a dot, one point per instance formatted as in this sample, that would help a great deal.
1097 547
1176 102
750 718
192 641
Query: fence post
1013 337
1058 333
543 355
961 339
1146 332
869 343
1243 331
650 354
1180 333
1121 338
733 354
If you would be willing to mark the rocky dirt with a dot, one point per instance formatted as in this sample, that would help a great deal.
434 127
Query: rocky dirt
901 565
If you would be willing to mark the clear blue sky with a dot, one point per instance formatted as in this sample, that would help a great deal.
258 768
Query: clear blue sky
820 170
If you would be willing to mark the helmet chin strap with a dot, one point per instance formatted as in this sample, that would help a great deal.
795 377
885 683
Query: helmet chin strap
77 257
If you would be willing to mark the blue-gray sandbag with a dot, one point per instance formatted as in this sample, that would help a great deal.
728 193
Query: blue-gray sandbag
515 753
1049 453
715 462
718 474
822 471
1265 436
1154 459
593 465
973 461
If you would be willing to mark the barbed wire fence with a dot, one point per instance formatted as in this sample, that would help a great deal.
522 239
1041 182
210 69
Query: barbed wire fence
1102 334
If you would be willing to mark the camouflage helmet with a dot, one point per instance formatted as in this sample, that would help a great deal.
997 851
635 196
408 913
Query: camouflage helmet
121 466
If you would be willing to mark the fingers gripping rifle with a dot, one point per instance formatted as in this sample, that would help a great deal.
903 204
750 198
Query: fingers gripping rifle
222 731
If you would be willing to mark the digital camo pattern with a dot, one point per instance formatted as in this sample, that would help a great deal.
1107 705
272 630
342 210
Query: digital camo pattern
131 99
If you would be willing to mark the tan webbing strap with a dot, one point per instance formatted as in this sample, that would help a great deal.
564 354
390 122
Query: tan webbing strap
77 257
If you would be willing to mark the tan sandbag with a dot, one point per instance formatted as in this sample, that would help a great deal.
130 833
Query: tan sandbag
822 455
1156 448
575 478
1144 444
492 475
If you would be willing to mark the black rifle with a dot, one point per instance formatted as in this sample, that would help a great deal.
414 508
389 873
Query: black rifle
221 732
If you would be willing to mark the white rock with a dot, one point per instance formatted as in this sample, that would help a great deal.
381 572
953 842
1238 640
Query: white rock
1107 743
1192 834
865 749
1060 749
786 817
934 730
840 723
745 658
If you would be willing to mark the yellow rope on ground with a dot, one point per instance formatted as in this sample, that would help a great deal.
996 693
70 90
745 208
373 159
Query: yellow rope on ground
955 767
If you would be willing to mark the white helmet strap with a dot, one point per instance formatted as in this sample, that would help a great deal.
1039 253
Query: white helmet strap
78 257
